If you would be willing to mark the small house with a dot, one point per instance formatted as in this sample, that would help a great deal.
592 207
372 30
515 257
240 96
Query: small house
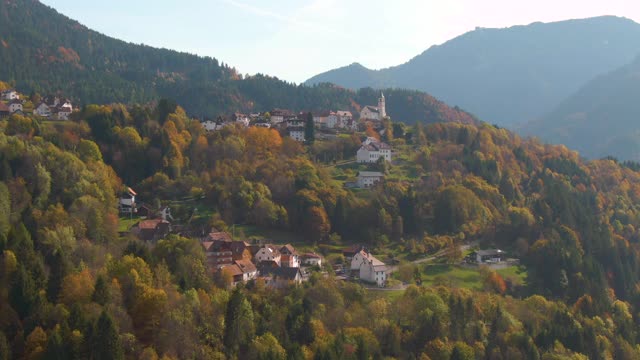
218 254
268 253
10 94
15 106
127 203
489 256
289 256
4 110
312 259
153 230
367 179
282 277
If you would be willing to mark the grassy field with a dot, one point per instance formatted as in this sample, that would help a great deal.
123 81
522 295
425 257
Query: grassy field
516 274
451 275
390 295
125 223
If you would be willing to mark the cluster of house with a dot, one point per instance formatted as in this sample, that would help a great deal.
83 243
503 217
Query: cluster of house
54 108
51 107
292 124
10 103
278 266
365 266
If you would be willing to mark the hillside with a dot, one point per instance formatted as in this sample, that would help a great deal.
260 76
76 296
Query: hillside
601 119
46 52
508 76
74 288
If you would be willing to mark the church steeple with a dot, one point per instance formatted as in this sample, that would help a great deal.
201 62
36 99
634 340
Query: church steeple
382 107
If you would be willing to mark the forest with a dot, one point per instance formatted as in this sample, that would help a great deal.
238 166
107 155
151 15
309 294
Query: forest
74 288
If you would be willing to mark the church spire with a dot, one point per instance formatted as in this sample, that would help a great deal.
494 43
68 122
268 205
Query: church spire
382 106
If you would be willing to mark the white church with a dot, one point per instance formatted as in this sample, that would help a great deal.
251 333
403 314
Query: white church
376 113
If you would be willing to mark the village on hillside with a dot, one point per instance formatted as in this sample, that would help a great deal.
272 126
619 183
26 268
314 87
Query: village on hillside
238 261
50 107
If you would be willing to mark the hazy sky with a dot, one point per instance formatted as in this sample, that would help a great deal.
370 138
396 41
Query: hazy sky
296 39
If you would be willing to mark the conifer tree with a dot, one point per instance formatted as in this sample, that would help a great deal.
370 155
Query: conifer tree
106 343
309 129
101 292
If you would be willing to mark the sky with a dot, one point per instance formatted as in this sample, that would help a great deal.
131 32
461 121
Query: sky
297 39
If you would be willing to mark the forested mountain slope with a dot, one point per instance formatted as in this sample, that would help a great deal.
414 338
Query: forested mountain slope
46 52
508 76
601 119
72 287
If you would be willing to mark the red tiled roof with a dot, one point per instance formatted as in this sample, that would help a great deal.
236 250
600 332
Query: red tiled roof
234 270
246 266
151 224
220 235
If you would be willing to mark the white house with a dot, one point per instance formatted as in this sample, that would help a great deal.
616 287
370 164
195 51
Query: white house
369 268
43 110
62 112
296 133
15 105
332 120
372 151
210 125
344 117
268 253
489 256
10 95
320 119
249 270
367 179
279 115
374 271
241 119
312 259
127 203
358 259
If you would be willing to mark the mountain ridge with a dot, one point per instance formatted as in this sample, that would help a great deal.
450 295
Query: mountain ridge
47 52
506 76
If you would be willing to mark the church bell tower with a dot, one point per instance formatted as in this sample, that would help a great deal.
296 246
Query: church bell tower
381 107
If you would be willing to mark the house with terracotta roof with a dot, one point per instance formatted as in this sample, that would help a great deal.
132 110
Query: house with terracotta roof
290 257
152 230
240 250
219 236
249 270
4 110
218 254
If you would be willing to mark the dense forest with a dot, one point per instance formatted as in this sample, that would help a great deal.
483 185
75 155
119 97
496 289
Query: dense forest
44 52
74 288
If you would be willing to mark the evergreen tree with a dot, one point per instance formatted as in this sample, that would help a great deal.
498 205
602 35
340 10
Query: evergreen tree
239 324
59 268
5 349
23 294
56 349
106 343
309 129
101 292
